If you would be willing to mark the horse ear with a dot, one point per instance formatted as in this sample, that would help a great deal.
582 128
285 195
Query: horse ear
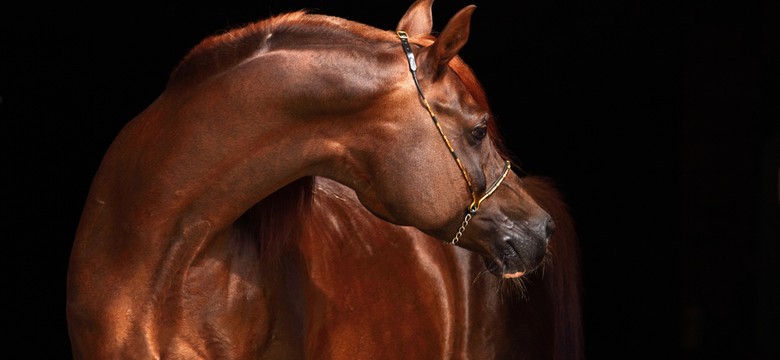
455 34
418 19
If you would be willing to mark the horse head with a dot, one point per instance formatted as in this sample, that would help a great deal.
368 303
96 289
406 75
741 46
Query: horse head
470 198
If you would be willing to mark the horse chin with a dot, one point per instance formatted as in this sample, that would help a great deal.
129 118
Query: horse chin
503 270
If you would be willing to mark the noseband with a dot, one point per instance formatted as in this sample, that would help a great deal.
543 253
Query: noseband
471 211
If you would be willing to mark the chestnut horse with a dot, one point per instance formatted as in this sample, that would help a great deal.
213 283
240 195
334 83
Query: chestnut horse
172 259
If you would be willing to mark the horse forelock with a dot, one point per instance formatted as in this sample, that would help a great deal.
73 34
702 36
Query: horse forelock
229 48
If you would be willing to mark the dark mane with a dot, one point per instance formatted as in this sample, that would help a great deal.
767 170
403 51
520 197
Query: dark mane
227 49
563 277
275 221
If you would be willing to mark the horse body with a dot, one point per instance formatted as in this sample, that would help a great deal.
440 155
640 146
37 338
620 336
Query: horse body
162 265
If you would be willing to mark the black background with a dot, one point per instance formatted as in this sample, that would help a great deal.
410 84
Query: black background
658 120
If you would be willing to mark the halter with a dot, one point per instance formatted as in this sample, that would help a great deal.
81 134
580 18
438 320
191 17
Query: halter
471 211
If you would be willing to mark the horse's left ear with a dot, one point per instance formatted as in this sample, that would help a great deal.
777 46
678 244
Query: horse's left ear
418 20
436 57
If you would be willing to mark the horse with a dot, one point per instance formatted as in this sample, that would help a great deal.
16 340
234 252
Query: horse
173 259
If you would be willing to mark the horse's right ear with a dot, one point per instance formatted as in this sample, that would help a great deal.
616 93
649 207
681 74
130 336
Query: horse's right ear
418 20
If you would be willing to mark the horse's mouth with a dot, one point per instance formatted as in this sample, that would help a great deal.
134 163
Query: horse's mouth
513 260
513 275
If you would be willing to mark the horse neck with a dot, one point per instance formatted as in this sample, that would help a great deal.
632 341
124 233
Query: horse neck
215 149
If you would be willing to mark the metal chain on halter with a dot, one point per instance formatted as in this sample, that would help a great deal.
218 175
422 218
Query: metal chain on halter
461 229
473 208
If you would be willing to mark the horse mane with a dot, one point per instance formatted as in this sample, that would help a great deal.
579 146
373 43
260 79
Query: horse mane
230 47
275 222
563 278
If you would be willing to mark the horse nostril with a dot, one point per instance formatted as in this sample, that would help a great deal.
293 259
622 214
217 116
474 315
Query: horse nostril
549 228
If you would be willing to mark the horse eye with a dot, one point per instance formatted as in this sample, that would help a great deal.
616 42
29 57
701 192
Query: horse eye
479 132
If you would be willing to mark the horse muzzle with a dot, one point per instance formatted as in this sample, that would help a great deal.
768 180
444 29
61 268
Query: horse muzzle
516 248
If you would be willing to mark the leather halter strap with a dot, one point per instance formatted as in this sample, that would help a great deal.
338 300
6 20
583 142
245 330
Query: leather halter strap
475 202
